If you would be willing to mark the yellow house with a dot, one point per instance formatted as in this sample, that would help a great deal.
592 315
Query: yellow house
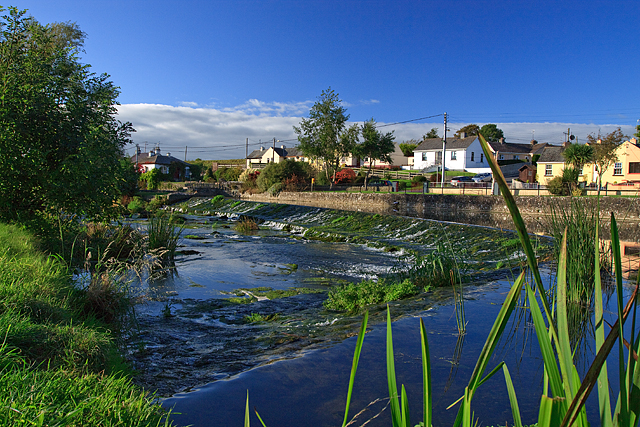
627 168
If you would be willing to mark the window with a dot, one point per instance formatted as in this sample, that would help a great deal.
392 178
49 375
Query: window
617 169
516 157
473 156
424 156
581 171
481 157
439 157
501 157
634 167
454 155
548 170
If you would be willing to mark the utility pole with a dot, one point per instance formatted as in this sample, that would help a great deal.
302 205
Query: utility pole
444 147
273 155
246 149
185 153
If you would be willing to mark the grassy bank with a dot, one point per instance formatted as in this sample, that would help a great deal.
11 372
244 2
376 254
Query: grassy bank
59 366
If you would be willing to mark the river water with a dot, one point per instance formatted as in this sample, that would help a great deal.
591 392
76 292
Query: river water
197 347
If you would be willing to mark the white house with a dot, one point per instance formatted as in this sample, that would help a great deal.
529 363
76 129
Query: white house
463 154
261 157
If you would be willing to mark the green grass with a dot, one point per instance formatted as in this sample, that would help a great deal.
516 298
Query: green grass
354 297
164 235
59 365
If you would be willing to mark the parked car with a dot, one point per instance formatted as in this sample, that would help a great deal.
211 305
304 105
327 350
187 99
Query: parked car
457 180
482 177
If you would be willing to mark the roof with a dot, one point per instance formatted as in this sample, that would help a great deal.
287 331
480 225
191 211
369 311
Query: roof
452 144
145 159
552 154
282 152
507 147
526 166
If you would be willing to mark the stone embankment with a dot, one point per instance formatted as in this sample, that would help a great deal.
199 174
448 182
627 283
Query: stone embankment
481 210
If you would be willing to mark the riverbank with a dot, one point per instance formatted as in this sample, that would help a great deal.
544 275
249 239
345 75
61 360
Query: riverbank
59 365
490 211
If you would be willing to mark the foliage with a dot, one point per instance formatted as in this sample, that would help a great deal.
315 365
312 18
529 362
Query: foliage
57 364
470 130
275 189
294 183
58 134
433 133
151 178
418 179
345 176
491 132
137 205
570 175
246 225
277 172
557 187
604 150
407 147
374 146
227 174
578 155
436 177
164 235
355 296
324 134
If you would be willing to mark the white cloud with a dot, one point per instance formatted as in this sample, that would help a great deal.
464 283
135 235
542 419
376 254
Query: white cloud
211 133
189 104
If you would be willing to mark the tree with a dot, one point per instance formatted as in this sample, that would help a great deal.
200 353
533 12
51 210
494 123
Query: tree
491 132
578 155
407 147
604 151
433 133
374 146
324 135
61 144
470 130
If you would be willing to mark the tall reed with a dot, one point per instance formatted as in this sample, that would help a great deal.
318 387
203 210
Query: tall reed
164 235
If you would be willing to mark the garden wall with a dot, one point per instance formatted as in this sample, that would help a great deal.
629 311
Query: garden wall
469 209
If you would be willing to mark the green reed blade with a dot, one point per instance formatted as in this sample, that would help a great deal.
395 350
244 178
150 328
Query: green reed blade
354 365
604 399
544 341
247 423
515 409
426 375
563 346
617 262
259 417
405 408
493 338
548 414
490 374
396 416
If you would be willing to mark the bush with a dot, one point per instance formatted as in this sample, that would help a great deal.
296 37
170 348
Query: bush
137 205
436 177
402 185
345 176
277 172
355 296
418 179
151 178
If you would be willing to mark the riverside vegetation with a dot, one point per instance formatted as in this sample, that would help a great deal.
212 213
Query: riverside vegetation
564 393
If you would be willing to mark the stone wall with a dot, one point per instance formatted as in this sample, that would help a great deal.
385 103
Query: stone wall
469 209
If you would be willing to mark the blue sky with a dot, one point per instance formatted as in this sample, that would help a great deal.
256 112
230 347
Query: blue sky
208 74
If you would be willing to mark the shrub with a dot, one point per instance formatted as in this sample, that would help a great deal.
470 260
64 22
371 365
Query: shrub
295 183
157 202
556 186
418 179
355 296
277 172
345 176
402 185
436 177
137 205
151 178
246 225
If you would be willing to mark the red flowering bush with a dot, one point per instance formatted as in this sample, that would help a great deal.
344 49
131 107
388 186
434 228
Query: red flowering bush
345 176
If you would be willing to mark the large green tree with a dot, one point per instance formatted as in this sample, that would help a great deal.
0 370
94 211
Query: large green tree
324 135
375 146
60 142
491 132
433 133
407 147
578 155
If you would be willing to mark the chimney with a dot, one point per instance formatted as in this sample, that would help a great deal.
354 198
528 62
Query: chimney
501 141
283 147
261 148
157 150
463 135
152 153
168 154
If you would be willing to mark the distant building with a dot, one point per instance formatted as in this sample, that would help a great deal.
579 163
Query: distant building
155 160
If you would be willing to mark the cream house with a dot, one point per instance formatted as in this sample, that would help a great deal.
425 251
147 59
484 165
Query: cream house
627 168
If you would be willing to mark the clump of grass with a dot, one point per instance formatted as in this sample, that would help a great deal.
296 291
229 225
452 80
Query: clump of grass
246 225
164 235
355 296
580 220
261 318
438 268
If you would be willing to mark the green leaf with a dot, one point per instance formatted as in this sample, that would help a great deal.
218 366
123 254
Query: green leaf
247 423
396 416
354 365
564 345
515 409
426 375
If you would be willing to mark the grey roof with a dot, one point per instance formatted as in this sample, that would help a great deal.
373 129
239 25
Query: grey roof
507 147
159 159
282 152
552 154
452 144
256 154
